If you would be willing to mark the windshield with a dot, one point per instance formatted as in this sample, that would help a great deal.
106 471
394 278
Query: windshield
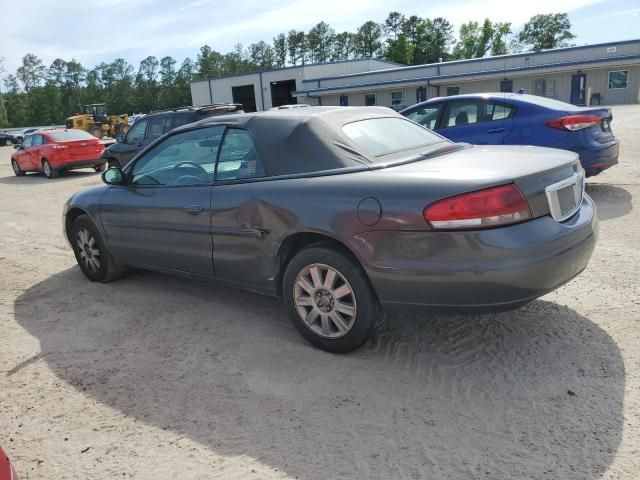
71 135
380 136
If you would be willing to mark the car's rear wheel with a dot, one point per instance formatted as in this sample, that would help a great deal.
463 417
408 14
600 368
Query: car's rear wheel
91 253
329 298
48 170
100 168
16 169
6 142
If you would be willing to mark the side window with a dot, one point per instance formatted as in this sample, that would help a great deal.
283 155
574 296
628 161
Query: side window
497 111
186 158
136 132
28 142
426 116
182 119
461 113
37 140
158 126
238 157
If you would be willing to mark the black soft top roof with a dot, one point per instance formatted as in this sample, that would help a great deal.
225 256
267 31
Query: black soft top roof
303 140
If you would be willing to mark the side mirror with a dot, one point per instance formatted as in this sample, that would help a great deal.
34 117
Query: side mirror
113 176
120 138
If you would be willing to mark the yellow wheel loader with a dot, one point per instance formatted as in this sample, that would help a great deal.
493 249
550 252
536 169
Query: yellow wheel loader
96 121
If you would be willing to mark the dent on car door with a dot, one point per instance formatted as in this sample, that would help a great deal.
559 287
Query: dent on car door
162 217
242 222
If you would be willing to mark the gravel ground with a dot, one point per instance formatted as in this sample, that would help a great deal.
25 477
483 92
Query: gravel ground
154 377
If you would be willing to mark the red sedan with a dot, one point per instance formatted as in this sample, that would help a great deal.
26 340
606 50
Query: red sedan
56 150
7 472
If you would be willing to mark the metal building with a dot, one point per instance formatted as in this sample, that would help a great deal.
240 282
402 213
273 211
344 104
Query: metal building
606 74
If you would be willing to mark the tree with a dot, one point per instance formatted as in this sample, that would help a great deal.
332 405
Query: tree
280 50
297 46
398 50
167 97
4 121
31 73
368 39
432 41
261 56
344 46
183 82
393 24
209 63
501 32
320 41
551 30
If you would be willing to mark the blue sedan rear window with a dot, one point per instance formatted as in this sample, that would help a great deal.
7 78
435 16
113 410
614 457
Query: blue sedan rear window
380 136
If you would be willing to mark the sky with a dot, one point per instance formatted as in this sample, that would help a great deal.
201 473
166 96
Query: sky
135 29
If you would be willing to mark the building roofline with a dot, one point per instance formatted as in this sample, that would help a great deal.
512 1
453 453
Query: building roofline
467 74
479 60
291 67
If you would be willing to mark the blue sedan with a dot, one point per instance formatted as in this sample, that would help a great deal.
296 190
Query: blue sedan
520 119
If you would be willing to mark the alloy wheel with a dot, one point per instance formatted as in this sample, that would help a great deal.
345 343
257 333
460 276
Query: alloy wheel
325 300
47 169
16 167
88 250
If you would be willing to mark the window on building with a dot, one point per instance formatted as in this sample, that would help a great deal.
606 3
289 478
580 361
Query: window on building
396 98
618 79
453 91
370 99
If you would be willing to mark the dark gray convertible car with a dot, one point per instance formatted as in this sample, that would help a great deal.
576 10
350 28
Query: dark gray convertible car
341 212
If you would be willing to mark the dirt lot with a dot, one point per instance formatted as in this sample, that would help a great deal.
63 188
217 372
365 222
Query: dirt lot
153 377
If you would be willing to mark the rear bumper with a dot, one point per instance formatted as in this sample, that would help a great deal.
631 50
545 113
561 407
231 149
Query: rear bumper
80 164
599 157
495 269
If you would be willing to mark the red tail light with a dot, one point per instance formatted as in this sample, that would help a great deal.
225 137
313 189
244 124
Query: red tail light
574 122
492 207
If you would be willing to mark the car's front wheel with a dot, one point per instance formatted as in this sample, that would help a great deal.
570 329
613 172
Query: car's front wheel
329 298
91 253
16 169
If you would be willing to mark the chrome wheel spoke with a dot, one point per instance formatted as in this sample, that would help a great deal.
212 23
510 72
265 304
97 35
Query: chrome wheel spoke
342 291
324 321
345 308
338 321
316 277
304 301
330 279
312 316
95 252
306 286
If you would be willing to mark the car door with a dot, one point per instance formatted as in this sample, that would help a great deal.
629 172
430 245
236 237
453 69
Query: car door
161 218
133 141
23 154
35 152
472 121
239 216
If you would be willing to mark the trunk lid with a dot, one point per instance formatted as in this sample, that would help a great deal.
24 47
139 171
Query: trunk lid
82 149
532 169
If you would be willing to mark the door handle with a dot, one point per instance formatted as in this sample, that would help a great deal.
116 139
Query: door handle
495 130
192 209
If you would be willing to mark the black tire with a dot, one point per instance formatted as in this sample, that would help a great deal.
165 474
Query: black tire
112 162
107 269
16 169
6 142
97 132
100 168
366 313
48 170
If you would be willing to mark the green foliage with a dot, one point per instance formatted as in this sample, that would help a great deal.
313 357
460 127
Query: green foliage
550 30
40 95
